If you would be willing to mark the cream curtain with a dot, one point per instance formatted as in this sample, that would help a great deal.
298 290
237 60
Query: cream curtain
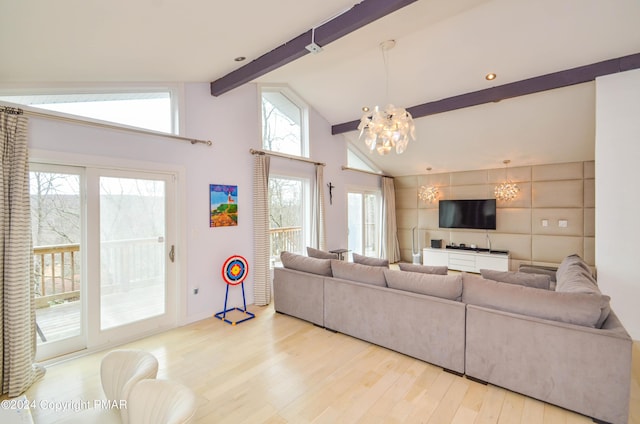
319 236
17 309
262 248
390 245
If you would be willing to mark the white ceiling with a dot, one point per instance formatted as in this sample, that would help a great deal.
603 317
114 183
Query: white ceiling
444 48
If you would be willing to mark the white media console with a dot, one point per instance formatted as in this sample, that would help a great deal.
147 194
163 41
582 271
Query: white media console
465 260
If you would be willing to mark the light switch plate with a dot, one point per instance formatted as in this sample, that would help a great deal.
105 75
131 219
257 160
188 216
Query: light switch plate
563 223
545 222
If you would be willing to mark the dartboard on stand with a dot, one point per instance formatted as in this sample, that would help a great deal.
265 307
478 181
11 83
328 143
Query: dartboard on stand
234 271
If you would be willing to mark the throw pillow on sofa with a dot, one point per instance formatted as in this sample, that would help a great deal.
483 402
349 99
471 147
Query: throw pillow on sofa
366 260
424 269
320 254
358 272
443 286
306 264
537 281
574 308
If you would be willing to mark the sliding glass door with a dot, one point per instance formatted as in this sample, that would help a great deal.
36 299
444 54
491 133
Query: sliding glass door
57 222
132 250
104 252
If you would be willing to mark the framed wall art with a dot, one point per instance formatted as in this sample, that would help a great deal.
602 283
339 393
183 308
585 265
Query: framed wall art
223 201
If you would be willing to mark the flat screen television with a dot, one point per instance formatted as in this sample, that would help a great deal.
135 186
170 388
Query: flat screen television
476 214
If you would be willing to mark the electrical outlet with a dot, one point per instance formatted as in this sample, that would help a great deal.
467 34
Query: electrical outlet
545 222
196 290
563 223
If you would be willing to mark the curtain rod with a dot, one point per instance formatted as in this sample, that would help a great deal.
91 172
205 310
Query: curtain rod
346 168
28 112
282 155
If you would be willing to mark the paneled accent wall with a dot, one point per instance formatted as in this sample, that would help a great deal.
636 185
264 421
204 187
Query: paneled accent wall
551 193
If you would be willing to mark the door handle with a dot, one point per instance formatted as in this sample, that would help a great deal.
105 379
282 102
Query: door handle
172 253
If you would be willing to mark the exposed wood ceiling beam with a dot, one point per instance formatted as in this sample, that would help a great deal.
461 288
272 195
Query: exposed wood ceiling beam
519 88
358 16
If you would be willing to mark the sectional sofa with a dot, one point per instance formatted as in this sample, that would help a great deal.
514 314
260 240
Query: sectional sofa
563 346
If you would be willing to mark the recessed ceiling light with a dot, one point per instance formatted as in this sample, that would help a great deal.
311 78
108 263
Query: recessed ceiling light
239 58
365 108
490 76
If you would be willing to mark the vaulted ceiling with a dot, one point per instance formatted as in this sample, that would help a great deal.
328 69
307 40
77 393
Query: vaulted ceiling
444 49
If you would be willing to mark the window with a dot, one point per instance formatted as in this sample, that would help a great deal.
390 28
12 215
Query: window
356 161
284 122
153 109
288 215
364 222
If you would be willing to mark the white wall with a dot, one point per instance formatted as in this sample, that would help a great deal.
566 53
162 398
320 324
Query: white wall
232 122
617 195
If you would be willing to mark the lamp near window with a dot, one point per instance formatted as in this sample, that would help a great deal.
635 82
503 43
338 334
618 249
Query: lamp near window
507 190
388 127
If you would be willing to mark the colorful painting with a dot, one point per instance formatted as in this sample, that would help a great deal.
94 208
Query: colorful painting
224 205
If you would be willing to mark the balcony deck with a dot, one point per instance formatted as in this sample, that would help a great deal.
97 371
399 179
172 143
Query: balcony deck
62 320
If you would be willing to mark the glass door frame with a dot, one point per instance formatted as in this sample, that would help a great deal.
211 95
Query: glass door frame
95 340
123 333
79 342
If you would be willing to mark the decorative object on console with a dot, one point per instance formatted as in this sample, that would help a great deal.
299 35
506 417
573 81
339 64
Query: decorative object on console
507 190
388 127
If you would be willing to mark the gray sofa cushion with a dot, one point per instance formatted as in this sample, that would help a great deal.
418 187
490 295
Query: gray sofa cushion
320 254
574 276
366 260
540 269
443 286
538 281
574 271
303 263
574 308
425 269
358 272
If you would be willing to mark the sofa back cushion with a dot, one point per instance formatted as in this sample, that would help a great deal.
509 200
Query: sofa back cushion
538 281
443 286
366 260
574 308
424 269
305 264
358 272
574 276
320 254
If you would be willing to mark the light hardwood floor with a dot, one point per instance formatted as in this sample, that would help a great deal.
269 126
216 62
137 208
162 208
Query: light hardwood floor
278 369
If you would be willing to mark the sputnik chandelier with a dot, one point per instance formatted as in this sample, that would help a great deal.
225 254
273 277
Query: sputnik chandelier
385 128
507 190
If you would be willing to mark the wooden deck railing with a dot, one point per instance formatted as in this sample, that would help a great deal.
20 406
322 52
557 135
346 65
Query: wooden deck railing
285 238
57 273
124 262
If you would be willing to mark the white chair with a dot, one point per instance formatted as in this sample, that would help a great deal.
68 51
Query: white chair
121 369
161 402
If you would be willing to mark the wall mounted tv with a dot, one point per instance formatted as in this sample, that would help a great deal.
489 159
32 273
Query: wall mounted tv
476 214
